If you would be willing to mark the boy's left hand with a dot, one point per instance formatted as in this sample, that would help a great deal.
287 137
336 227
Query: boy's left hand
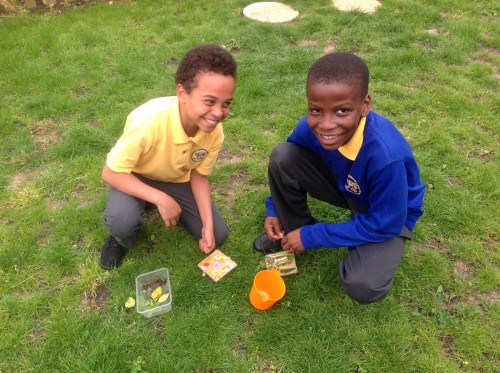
292 243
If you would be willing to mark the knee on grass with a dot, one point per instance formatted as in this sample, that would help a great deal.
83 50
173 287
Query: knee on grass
364 291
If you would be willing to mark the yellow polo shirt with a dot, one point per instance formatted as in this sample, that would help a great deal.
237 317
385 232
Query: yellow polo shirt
155 145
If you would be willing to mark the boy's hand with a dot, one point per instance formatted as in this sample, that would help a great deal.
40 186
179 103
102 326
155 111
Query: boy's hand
207 241
273 228
292 243
170 211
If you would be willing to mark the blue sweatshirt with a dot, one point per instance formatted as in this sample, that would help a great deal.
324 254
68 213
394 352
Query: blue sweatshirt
378 171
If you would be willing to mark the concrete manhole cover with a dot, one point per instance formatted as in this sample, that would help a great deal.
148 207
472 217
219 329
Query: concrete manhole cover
270 11
366 6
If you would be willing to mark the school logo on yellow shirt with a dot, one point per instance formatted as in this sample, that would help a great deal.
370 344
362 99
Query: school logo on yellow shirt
352 186
198 155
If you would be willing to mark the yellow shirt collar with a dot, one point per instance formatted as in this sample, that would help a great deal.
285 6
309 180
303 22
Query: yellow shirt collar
351 149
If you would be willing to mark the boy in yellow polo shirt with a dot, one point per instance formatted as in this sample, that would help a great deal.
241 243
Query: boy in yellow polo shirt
165 154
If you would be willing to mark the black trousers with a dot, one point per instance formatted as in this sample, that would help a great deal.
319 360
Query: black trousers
366 274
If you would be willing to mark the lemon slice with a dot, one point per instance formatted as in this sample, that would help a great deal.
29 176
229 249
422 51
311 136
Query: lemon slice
156 293
163 298
130 302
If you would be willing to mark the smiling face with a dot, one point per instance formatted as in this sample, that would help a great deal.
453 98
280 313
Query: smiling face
334 111
207 104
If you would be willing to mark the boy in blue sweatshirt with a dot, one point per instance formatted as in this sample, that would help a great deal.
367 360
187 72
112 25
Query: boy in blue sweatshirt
348 156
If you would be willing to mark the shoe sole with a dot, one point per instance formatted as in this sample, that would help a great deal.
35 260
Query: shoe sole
107 268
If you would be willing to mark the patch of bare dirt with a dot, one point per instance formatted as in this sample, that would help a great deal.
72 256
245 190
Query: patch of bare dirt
18 181
303 43
240 349
54 204
482 299
47 6
308 42
225 158
491 297
237 183
329 49
487 55
450 304
465 269
45 133
268 366
35 335
172 63
43 238
79 190
492 51
447 343
484 155
96 300
226 193
440 244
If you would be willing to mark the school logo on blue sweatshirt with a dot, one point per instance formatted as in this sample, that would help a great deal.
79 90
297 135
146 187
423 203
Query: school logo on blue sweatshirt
352 186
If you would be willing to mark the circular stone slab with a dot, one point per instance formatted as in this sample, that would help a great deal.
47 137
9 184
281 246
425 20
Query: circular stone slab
270 11
366 6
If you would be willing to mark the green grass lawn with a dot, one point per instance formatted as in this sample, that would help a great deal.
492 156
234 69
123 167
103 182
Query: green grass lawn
67 82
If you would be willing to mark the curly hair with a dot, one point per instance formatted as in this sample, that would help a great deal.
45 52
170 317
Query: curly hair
340 67
204 58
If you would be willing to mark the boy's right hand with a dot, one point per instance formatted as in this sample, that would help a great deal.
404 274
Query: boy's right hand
170 211
273 228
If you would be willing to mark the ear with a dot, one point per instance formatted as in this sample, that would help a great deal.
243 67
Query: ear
367 103
181 93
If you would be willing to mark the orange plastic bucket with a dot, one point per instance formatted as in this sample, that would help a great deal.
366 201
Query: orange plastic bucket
268 288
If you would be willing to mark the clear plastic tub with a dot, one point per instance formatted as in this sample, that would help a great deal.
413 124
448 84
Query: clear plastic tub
144 303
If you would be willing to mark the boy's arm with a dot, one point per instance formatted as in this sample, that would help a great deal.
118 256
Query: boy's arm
201 193
385 217
129 184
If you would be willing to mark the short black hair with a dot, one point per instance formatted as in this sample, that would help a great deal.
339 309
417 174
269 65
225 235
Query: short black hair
340 67
204 58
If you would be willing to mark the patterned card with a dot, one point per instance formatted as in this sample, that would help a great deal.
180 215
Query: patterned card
282 261
217 265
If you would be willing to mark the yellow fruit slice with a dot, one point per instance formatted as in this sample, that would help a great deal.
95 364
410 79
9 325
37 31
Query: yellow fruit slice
156 293
130 302
163 298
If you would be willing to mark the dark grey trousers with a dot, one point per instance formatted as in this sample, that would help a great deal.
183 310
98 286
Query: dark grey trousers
366 274
124 213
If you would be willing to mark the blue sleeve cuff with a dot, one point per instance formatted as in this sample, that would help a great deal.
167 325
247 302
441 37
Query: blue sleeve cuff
270 209
307 238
